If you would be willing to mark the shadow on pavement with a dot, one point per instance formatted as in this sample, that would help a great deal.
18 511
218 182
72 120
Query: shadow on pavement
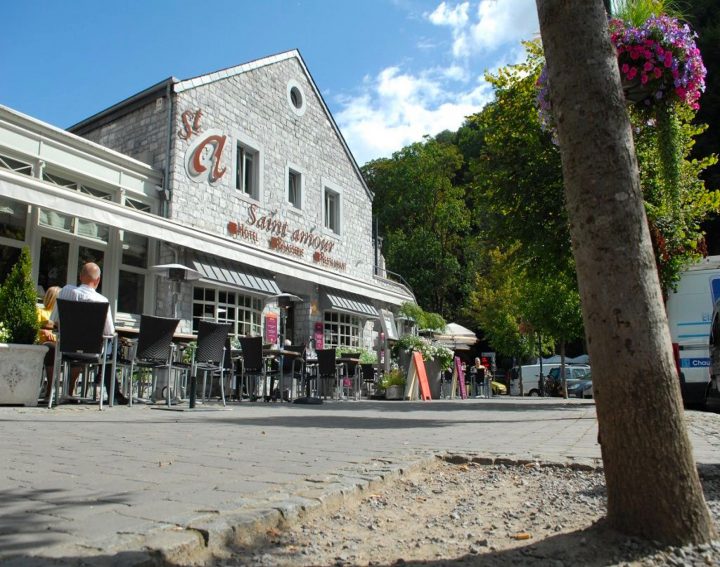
32 519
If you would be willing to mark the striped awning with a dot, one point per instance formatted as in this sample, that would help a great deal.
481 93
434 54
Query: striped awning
235 275
348 303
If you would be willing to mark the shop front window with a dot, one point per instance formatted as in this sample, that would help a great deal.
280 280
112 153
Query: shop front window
54 256
87 254
13 217
9 255
135 250
131 289
58 221
341 330
243 312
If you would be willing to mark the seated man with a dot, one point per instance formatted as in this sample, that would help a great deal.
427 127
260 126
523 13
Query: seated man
87 291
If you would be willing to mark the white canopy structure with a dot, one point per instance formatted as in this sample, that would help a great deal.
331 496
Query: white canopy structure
456 337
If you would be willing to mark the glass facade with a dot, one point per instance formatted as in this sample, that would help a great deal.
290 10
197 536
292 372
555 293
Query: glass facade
341 330
243 312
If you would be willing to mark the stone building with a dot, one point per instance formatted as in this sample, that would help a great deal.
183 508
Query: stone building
241 175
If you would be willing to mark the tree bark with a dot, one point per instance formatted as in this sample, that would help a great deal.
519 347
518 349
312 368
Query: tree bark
652 482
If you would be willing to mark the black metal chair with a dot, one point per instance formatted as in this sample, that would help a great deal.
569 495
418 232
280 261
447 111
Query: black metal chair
253 365
153 350
294 368
328 370
368 378
226 372
209 356
81 341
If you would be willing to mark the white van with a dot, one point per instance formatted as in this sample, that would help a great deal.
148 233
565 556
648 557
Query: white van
690 311
530 375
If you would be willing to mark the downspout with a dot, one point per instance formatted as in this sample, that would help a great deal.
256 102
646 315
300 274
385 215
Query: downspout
167 190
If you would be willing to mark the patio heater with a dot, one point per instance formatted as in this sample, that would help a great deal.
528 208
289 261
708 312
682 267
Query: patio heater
176 273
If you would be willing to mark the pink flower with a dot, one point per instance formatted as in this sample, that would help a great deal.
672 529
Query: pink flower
643 78
648 66
631 74
625 68
657 72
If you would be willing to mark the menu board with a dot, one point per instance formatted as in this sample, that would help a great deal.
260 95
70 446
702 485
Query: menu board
417 379
387 321
458 379
318 336
271 328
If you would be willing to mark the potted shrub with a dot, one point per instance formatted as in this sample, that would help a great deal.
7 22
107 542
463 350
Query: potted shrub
437 359
21 361
393 382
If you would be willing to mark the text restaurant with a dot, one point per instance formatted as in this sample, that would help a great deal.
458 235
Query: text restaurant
216 198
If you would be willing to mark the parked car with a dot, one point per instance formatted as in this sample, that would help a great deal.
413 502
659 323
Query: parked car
581 388
573 373
498 388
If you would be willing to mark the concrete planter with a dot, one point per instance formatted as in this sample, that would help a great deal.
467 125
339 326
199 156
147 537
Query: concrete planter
21 373
394 393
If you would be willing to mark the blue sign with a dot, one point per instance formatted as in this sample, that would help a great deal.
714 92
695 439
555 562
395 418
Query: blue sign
695 362
715 289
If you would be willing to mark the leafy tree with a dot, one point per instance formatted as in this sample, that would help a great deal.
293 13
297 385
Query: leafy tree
652 482
495 305
704 17
17 302
515 174
425 221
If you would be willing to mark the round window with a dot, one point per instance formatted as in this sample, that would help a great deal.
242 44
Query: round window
296 98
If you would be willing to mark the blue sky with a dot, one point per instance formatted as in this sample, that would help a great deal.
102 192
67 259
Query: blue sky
391 71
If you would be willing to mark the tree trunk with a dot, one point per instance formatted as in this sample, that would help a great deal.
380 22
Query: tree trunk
652 483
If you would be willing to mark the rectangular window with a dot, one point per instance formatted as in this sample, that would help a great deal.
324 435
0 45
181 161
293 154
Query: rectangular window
13 216
133 272
131 289
294 188
135 250
332 210
247 171
341 330
243 312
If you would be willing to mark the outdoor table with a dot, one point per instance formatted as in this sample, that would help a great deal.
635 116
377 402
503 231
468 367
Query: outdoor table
345 360
280 354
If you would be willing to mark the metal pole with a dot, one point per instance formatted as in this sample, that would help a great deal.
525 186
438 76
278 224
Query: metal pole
193 390
541 382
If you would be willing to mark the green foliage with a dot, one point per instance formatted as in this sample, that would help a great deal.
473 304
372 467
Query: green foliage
412 343
395 377
512 306
516 176
423 319
18 299
423 217
368 357
637 12
675 209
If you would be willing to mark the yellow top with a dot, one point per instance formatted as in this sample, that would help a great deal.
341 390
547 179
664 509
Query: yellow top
44 333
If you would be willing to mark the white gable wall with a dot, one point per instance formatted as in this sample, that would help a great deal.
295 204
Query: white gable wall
253 107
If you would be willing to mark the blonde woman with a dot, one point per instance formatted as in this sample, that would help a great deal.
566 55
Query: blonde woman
45 333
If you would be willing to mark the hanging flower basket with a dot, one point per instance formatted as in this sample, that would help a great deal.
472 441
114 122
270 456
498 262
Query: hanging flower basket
659 62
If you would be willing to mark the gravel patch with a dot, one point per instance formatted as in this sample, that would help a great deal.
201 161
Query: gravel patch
460 512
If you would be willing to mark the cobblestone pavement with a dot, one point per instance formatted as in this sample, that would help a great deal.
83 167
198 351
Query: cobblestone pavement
144 484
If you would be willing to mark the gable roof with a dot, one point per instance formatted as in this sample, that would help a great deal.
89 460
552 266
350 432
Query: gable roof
178 86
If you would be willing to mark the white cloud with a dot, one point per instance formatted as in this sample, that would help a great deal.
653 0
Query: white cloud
495 24
456 17
397 108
